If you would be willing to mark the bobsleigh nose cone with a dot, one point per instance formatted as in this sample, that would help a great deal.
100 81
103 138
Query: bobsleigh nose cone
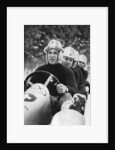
37 108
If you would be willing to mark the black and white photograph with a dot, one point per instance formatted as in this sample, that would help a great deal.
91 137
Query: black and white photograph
57 74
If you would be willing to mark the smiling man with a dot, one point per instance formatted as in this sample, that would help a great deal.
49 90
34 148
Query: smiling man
53 56
67 86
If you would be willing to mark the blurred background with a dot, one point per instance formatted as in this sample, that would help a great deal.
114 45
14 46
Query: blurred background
36 37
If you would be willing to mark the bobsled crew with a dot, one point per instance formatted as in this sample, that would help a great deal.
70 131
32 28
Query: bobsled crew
57 92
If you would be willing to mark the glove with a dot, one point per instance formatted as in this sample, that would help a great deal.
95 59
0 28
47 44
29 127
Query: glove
61 88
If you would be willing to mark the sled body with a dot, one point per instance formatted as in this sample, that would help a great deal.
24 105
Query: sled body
37 108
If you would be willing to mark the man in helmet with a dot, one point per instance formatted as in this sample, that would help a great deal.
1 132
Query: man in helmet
67 87
81 64
69 61
70 57
81 85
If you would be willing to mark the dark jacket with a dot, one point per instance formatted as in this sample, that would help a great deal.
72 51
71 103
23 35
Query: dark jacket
64 74
77 76
81 86
85 74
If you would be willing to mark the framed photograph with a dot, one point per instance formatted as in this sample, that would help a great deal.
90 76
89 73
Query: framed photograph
57 74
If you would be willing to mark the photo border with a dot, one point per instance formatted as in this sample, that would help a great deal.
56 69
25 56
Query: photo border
5 102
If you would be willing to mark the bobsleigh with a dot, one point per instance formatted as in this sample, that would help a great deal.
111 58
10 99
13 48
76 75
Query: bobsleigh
38 87
37 108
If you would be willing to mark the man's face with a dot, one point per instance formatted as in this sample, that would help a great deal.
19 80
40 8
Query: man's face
67 61
52 56
81 64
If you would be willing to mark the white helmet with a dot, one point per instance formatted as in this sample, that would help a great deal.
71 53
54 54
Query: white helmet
69 52
76 55
53 44
83 58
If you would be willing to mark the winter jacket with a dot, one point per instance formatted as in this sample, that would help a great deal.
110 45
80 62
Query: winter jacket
85 74
64 74
81 85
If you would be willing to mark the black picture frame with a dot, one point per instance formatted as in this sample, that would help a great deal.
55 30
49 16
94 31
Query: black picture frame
3 11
